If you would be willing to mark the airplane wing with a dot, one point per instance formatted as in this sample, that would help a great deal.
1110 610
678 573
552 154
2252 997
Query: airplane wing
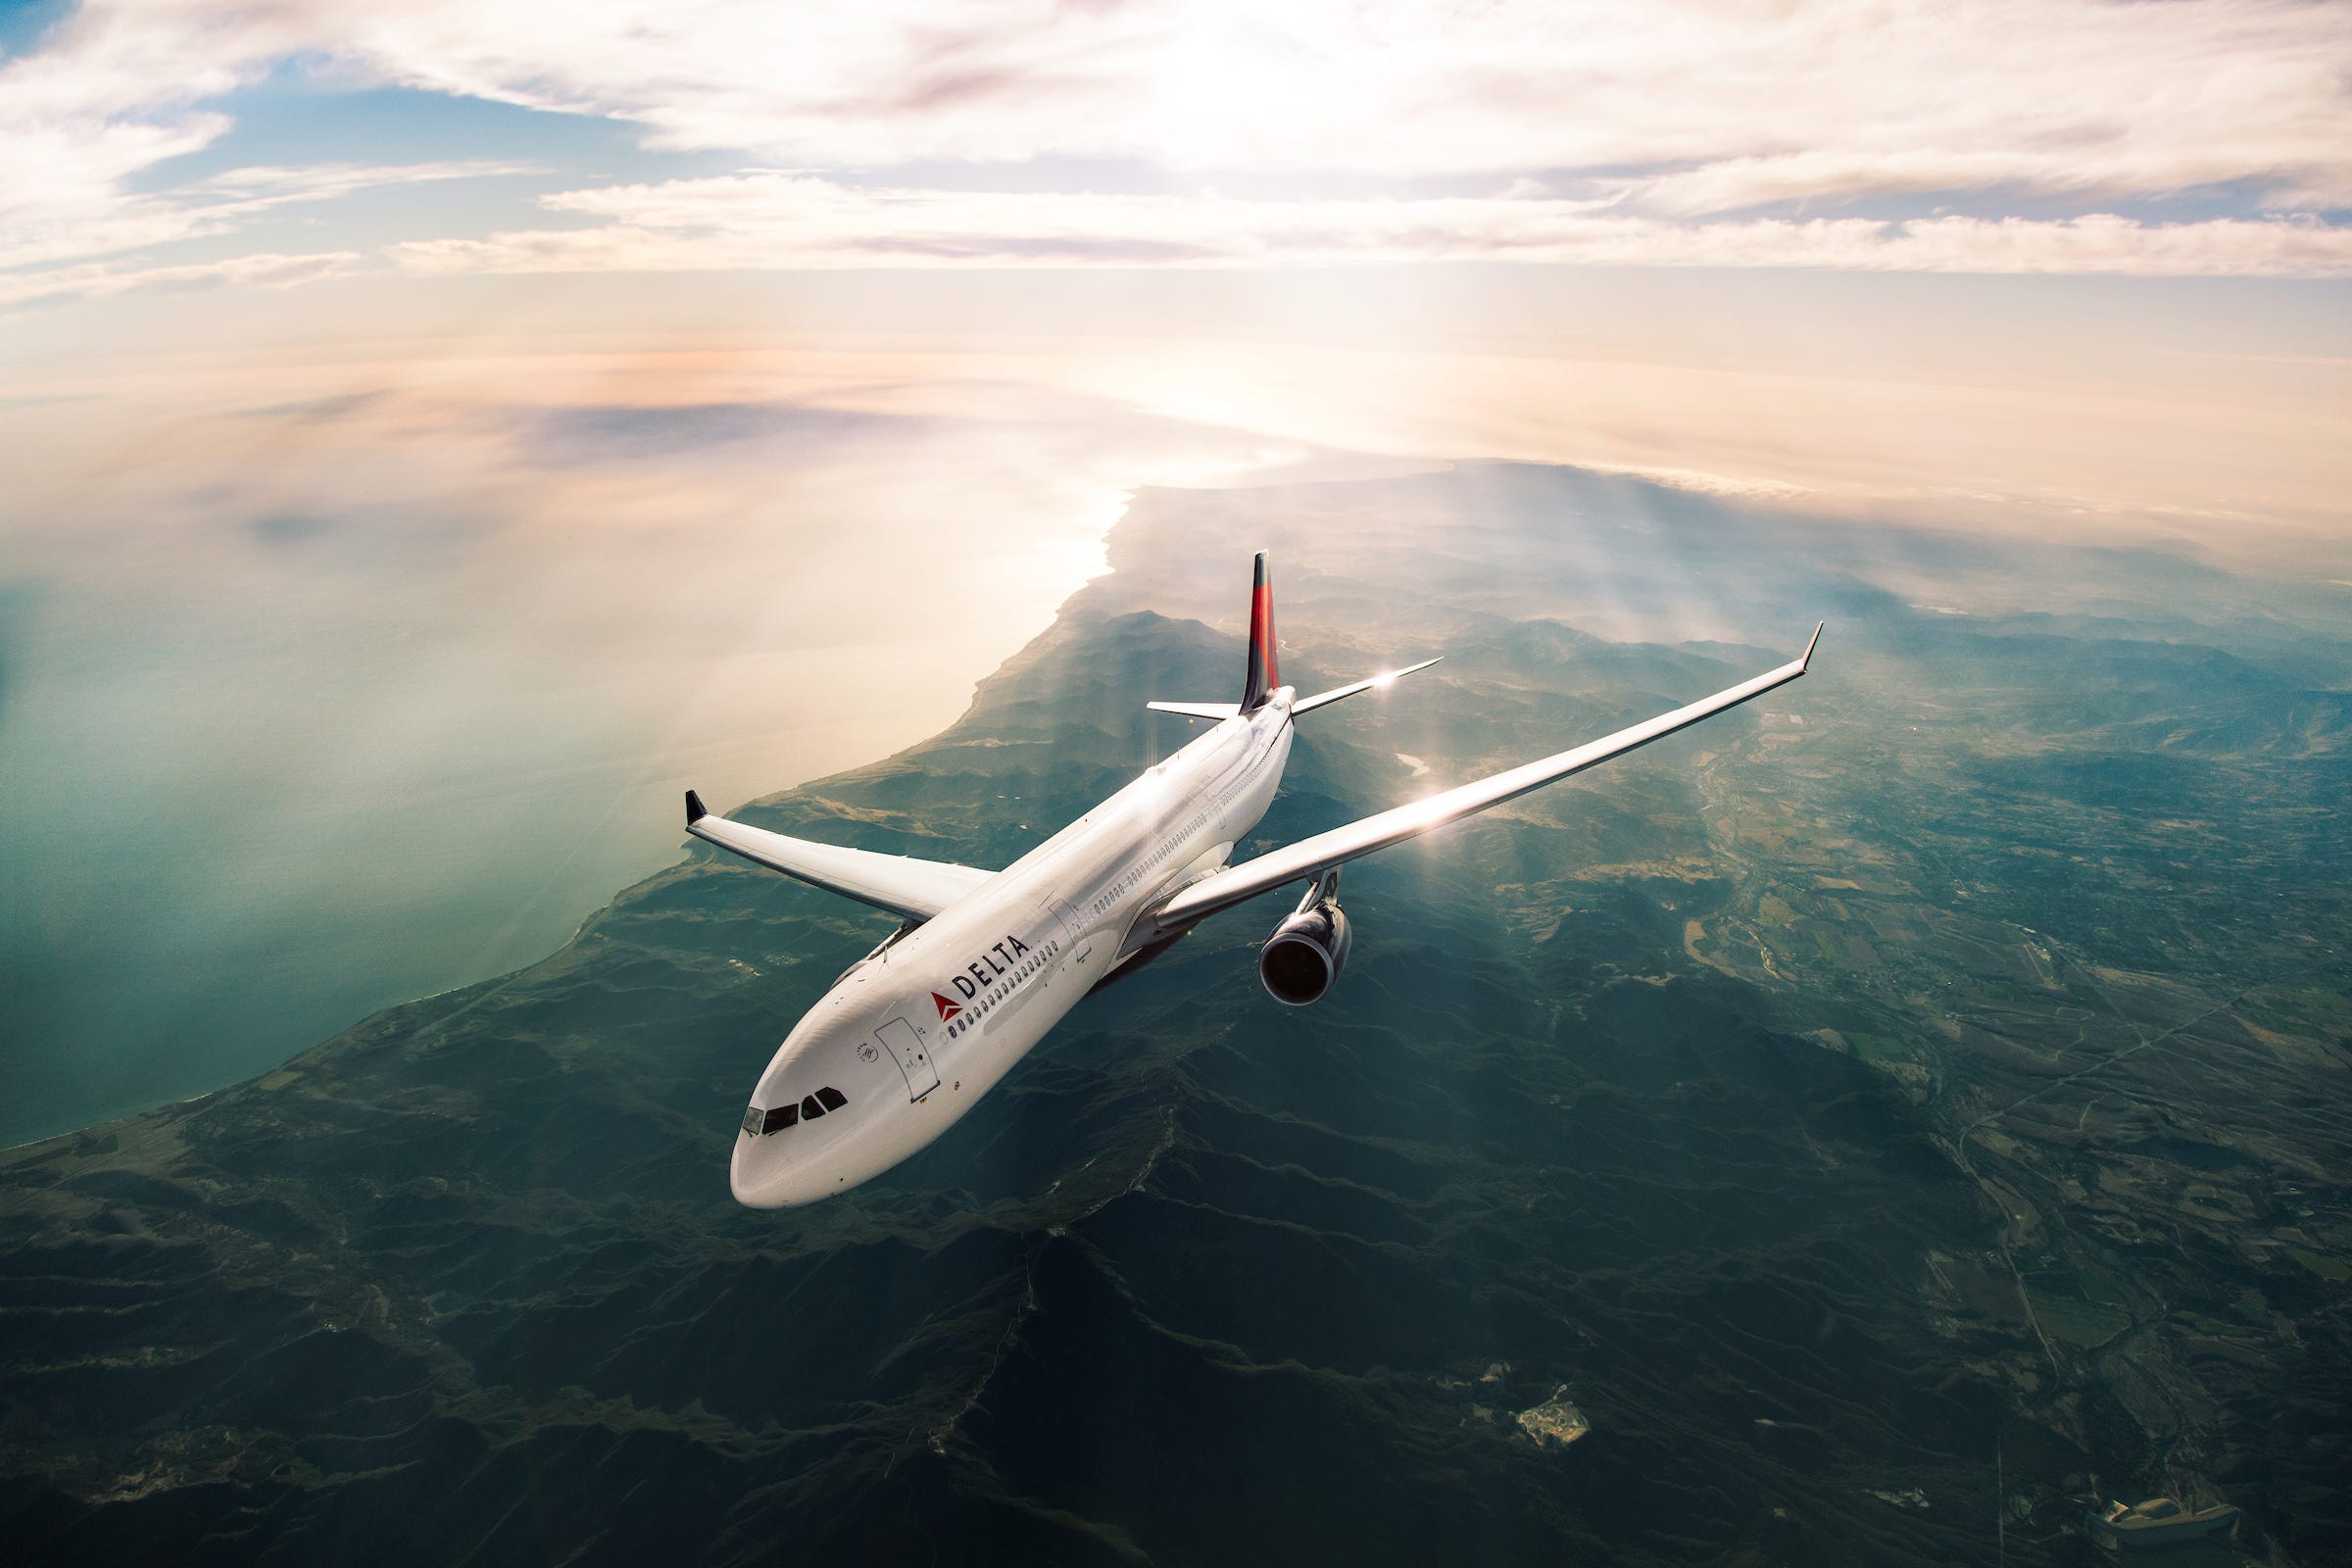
1222 890
914 889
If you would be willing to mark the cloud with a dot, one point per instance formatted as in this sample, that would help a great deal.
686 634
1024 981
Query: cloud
251 189
122 90
107 221
769 221
103 280
1669 131
110 98
1695 106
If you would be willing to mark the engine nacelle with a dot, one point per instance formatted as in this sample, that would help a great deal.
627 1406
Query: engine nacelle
1306 951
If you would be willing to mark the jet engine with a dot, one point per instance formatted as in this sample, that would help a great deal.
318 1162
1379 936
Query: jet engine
1308 950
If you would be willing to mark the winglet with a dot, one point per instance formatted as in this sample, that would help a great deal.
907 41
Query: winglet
1806 657
695 811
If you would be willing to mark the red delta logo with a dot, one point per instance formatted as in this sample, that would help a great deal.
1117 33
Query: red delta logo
946 1010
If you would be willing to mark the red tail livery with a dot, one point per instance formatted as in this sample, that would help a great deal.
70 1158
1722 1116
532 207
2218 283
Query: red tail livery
1263 677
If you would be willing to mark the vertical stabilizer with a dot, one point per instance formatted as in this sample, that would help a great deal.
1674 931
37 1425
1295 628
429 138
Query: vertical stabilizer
1263 677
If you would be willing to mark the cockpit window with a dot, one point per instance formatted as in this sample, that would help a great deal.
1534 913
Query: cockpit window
758 1123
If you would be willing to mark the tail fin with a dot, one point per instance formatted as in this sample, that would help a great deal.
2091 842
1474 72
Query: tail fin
1263 677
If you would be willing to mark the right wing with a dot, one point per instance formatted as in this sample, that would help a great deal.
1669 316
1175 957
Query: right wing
1222 890
914 889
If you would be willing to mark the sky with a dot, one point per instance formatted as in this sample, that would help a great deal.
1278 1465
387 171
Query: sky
1893 255
151 143
436 434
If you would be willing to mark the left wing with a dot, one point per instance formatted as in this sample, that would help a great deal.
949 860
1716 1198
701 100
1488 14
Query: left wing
914 889
1222 890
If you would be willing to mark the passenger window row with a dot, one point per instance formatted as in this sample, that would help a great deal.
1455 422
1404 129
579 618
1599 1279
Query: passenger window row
1005 988
1120 890
759 1123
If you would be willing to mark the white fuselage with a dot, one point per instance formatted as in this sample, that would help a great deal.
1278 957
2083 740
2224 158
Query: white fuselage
911 1037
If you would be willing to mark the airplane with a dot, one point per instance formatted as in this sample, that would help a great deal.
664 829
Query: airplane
984 964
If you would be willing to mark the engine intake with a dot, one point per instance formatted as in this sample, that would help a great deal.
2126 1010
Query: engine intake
1308 950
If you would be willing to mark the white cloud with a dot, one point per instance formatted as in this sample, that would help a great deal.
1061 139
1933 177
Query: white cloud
1742 103
126 88
104 280
106 219
109 100
269 186
771 222
1681 114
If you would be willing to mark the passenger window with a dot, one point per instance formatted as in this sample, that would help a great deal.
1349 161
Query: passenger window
831 1098
810 1109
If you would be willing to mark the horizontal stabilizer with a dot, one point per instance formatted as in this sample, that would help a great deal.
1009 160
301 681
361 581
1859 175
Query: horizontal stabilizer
1307 704
903 885
1208 711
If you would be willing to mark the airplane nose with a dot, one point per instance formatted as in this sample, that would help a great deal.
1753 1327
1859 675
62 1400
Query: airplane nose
764 1174
824 1103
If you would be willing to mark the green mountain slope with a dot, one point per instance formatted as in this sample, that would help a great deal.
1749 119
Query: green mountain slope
1944 1056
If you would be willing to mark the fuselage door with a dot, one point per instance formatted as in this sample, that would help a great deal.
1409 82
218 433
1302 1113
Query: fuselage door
898 1038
